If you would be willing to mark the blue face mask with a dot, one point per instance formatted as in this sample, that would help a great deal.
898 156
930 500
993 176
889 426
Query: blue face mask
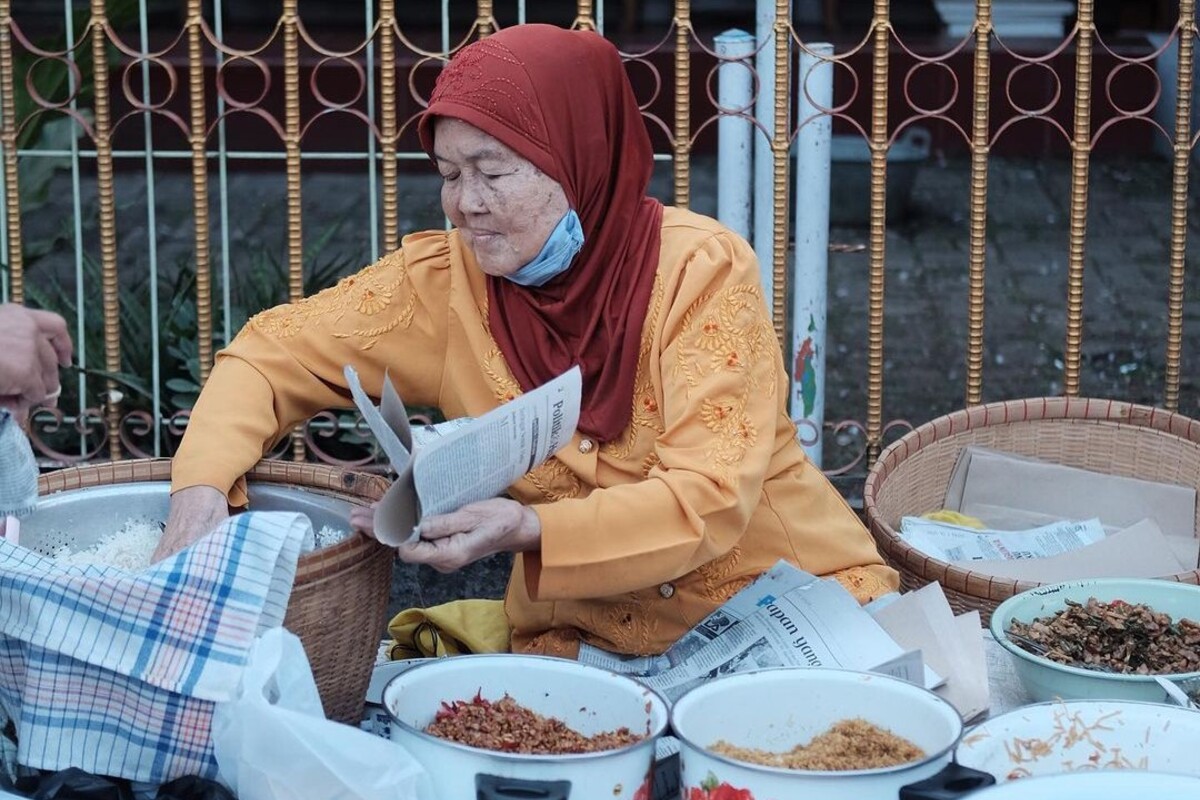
560 249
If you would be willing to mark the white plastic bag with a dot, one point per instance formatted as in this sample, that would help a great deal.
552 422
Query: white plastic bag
273 742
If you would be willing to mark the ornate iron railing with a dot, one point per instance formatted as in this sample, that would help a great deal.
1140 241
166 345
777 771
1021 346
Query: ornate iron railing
197 81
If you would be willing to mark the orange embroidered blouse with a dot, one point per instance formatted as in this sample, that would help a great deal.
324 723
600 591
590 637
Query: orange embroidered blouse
642 536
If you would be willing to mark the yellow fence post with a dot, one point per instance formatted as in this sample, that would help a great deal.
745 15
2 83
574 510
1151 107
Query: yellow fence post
683 104
387 145
881 29
781 149
1081 152
295 237
977 244
8 135
199 141
109 289
1179 199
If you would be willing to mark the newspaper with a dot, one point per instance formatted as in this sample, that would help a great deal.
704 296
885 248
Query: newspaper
424 435
441 470
948 542
787 617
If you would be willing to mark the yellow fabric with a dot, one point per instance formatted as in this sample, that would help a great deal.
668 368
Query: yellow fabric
954 518
643 536
451 629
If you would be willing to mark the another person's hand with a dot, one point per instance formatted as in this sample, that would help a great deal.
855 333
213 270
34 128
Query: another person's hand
33 345
195 511
450 542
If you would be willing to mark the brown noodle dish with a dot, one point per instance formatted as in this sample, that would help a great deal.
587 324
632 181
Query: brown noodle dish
848 744
1120 637
508 727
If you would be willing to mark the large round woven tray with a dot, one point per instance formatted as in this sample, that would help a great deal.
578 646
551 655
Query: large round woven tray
1112 437
339 600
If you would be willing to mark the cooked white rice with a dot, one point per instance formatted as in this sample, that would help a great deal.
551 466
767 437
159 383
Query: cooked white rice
328 536
130 548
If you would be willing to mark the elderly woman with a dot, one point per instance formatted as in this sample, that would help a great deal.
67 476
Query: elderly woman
685 481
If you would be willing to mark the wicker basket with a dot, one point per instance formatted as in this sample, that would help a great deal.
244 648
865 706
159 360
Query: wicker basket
338 605
1117 438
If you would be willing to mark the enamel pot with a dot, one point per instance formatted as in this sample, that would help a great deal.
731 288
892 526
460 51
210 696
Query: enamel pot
776 709
587 699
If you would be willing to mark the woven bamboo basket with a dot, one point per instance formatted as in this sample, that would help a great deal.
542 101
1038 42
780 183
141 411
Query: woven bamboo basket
339 600
911 475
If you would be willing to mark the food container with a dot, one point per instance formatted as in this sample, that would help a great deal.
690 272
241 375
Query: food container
1044 679
1053 738
776 709
589 700
338 604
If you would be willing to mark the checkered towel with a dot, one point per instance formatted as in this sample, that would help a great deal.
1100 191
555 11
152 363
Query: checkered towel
18 470
117 673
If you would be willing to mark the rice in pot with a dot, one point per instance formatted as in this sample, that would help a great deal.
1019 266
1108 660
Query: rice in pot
129 548
132 547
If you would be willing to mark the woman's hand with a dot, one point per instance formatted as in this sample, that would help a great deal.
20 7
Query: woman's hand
195 511
362 518
452 541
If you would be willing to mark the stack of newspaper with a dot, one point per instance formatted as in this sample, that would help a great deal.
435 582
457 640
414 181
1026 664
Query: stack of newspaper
790 618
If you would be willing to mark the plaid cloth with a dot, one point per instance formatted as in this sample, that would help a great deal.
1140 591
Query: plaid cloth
117 673
18 470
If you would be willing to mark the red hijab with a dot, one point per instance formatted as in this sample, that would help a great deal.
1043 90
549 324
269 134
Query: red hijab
561 100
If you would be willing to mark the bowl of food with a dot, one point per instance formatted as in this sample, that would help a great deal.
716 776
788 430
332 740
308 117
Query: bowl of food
812 732
1107 638
1084 736
516 726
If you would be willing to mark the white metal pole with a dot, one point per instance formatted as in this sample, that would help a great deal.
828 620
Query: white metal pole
735 154
811 271
764 156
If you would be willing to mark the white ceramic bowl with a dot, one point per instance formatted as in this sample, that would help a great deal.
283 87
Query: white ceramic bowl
1048 680
776 709
1053 738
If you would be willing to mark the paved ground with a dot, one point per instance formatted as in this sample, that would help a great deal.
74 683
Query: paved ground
926 307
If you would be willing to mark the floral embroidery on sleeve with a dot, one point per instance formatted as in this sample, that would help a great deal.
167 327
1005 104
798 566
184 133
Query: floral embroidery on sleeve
384 286
555 480
727 331
631 625
718 586
649 463
560 642
504 385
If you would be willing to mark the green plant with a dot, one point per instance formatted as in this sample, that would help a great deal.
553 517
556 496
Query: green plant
260 282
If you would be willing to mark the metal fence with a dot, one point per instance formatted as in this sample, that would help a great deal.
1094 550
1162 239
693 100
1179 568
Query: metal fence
191 97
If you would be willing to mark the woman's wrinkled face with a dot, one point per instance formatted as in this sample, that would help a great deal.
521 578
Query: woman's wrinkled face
503 206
